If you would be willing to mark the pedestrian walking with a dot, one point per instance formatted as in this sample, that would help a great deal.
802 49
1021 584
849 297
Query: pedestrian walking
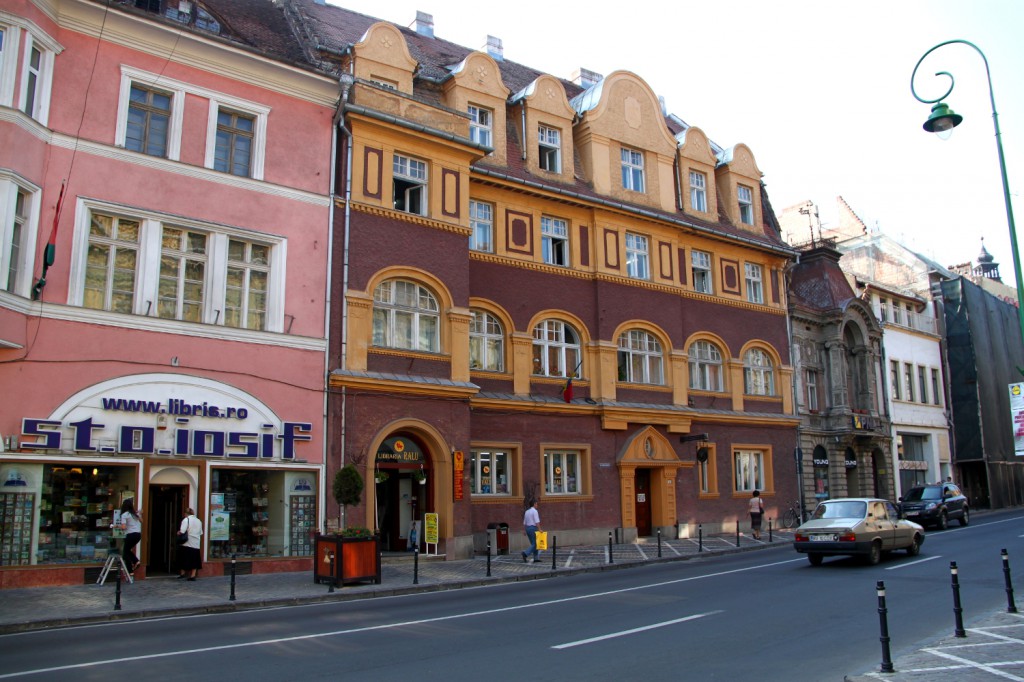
131 522
190 561
531 524
756 505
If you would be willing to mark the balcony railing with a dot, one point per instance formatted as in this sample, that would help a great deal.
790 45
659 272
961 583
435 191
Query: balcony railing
915 321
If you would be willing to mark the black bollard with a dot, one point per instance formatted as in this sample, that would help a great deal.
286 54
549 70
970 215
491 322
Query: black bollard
488 558
330 583
554 552
769 531
700 538
611 559
117 590
659 543
883 625
416 565
1010 606
737 533
232 597
958 612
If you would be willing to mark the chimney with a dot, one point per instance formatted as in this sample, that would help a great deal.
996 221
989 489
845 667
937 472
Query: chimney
424 24
495 49
585 77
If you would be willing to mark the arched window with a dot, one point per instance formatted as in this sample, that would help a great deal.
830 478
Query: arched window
758 373
405 315
705 367
556 349
486 342
640 358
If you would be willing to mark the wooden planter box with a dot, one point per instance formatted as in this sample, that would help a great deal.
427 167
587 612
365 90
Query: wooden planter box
355 559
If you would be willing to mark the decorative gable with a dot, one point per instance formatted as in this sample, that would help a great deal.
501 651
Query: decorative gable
739 182
382 57
697 156
543 105
476 82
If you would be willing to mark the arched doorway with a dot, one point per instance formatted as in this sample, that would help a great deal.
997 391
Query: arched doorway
647 470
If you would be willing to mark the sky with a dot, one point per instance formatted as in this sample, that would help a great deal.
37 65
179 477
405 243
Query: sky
818 90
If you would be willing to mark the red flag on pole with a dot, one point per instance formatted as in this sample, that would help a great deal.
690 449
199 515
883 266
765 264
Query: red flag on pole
50 253
567 391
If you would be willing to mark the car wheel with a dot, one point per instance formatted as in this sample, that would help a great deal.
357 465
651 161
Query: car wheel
874 554
815 559
943 521
966 518
915 546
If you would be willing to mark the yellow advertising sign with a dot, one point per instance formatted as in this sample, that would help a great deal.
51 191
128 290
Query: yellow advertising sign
430 528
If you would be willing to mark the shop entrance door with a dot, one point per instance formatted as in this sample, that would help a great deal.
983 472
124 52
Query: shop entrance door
643 502
401 500
166 504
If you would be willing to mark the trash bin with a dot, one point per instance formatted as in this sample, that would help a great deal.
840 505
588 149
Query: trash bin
497 533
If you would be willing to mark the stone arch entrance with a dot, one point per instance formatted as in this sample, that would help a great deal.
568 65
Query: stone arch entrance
647 472
400 453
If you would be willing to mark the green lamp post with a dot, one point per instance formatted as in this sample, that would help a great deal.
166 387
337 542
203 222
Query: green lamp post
942 121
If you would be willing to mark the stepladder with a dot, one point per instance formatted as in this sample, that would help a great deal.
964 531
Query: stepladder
115 562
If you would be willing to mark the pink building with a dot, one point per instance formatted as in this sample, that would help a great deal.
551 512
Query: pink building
174 350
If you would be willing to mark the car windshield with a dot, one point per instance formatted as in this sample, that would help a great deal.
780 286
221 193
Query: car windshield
840 510
929 493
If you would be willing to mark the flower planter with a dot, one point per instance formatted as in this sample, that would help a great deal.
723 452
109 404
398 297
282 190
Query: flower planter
355 559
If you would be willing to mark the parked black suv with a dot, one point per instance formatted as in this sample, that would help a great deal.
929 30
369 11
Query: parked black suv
935 505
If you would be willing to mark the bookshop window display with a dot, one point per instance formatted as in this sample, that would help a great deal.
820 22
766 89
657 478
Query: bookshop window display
76 512
256 513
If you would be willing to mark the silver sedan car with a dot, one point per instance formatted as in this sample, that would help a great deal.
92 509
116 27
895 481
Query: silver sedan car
863 526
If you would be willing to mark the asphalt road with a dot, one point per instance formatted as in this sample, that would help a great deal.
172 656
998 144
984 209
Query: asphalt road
756 616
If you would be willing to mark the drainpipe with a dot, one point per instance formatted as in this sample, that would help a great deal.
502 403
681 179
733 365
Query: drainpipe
795 381
523 113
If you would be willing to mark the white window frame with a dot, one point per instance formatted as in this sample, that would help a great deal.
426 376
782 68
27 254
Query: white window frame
563 471
700 268
259 134
9 40
549 149
484 469
425 308
706 367
748 470
148 266
698 192
554 241
414 173
922 384
908 377
481 125
758 373
48 48
640 358
10 187
811 381
755 284
632 169
745 201
556 349
894 379
936 387
149 81
486 342
637 256
183 258
481 221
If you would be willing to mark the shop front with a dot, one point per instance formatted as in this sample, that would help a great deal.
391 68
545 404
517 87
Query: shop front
167 442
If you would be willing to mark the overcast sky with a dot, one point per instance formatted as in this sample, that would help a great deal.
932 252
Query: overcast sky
819 90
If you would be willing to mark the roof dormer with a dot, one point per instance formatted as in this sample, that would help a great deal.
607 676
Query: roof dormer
739 183
476 89
545 119
697 163
382 57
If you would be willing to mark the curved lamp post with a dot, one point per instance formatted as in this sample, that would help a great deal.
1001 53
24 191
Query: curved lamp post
942 121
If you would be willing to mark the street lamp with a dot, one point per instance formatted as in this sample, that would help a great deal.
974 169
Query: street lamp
942 121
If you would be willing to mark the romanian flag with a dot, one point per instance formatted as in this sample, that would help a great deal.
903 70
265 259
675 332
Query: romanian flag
567 390
51 247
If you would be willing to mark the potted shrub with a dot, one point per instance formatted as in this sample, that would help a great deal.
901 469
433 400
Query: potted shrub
352 554
420 476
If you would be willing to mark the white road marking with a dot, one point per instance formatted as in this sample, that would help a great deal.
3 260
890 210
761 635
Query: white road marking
978 666
912 563
623 633
389 626
642 553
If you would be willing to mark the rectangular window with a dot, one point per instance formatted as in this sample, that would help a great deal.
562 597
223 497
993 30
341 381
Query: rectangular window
562 472
922 384
182 275
234 147
490 472
883 309
936 391
480 123
33 65
698 192
481 220
749 470
632 170
707 470
410 185
701 264
112 262
755 290
247 288
894 379
15 266
812 389
897 313
908 377
637 259
149 118
554 241
745 198
549 141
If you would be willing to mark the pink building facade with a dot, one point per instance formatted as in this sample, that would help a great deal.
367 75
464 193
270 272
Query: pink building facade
174 350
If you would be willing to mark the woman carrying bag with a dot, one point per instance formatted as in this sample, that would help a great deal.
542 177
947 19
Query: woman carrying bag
190 561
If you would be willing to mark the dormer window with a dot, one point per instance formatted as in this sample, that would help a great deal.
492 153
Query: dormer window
632 170
745 198
549 141
480 124
410 185
698 192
